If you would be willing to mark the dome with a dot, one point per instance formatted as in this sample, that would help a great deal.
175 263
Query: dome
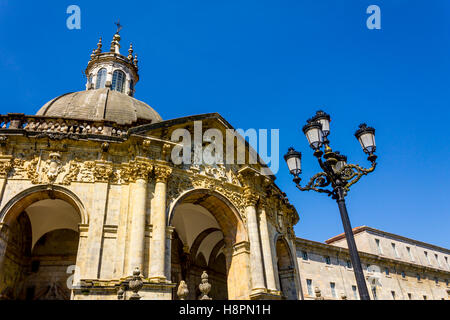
100 104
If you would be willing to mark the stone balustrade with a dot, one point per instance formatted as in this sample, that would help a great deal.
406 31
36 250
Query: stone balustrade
62 126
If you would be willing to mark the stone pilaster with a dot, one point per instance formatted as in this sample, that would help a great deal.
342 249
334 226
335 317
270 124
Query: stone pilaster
158 241
138 223
102 173
256 262
267 250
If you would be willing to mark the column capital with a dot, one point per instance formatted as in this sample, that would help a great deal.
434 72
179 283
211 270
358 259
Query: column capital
102 171
162 173
250 197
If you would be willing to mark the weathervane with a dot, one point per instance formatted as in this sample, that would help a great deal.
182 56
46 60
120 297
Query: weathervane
119 26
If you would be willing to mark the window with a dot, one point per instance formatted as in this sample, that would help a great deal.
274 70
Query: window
91 77
437 260
409 296
393 295
436 280
386 270
446 282
101 79
409 253
377 241
349 264
446 261
424 297
328 260
394 248
355 293
118 81
426 256
333 289
418 277
305 255
374 293
309 285
403 274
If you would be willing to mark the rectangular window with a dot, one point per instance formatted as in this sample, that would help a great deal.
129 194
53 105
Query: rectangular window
374 293
446 261
437 260
333 289
328 260
426 256
403 274
409 253
446 282
386 270
393 295
355 293
305 255
349 264
394 248
409 296
309 285
436 280
377 241
418 277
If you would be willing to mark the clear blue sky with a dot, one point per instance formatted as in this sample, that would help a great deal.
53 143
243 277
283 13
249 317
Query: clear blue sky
271 64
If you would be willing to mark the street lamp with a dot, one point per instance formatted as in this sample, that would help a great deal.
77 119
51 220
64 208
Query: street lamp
337 176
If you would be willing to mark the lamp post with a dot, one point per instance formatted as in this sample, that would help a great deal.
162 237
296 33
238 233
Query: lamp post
336 178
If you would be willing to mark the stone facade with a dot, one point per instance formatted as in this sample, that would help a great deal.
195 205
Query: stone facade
389 276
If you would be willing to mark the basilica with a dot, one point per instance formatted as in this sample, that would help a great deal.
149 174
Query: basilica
90 199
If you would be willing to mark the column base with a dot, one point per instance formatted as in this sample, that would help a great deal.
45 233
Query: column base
158 279
264 294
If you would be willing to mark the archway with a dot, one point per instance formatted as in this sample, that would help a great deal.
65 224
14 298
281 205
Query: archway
207 228
286 270
39 241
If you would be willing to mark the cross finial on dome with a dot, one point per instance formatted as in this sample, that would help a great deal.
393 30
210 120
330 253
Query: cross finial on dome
119 26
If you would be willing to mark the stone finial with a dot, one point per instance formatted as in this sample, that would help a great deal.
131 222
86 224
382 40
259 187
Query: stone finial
205 287
99 47
130 52
183 290
115 44
318 294
136 284
120 293
135 61
343 296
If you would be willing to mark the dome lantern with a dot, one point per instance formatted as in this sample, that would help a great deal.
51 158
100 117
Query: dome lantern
111 69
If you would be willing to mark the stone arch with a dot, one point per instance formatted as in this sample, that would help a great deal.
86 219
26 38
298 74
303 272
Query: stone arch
224 211
286 268
228 258
26 198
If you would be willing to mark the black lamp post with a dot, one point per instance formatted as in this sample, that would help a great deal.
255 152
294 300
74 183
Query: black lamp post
337 177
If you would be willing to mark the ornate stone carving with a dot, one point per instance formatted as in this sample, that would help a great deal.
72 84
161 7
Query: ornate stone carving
205 287
72 175
162 173
136 284
250 197
5 167
102 171
53 167
31 170
183 290
135 170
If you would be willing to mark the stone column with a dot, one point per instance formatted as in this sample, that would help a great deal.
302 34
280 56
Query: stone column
256 262
158 241
102 173
137 235
267 250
